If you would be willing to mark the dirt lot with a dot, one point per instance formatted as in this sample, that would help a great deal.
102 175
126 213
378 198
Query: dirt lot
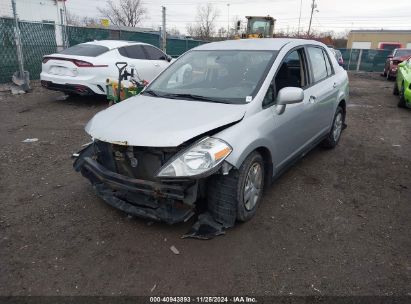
337 223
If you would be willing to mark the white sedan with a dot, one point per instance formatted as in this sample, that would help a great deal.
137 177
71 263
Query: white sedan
84 68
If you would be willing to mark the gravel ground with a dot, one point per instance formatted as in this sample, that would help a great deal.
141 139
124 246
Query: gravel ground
337 223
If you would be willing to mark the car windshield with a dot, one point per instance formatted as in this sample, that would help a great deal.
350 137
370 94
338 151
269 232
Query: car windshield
90 50
228 76
401 53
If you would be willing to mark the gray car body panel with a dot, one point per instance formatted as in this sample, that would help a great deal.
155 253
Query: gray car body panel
150 121
302 124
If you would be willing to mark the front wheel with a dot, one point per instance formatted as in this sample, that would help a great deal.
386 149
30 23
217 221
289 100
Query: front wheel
238 194
335 133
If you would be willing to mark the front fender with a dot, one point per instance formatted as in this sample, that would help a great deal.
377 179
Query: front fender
251 133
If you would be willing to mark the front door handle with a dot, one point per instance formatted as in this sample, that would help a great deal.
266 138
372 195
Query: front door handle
335 85
156 64
312 99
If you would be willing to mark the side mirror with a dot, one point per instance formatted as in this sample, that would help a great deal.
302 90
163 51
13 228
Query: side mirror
290 95
169 58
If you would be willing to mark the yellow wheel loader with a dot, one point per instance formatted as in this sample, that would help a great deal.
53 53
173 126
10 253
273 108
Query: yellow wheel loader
257 27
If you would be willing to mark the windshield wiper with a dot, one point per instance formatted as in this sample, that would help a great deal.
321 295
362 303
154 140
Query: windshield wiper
194 97
152 93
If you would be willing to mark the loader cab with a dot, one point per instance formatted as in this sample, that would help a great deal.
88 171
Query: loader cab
259 27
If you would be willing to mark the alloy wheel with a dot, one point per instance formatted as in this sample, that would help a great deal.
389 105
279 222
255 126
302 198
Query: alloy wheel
253 186
338 122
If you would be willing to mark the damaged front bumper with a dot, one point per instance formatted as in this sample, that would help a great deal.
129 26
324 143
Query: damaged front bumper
170 202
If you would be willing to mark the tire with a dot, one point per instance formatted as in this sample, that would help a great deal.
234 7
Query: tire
395 90
334 136
226 193
401 101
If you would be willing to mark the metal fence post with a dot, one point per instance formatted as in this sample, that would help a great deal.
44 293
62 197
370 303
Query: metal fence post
359 60
23 80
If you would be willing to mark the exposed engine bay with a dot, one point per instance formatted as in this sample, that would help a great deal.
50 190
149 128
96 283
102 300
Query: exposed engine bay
125 177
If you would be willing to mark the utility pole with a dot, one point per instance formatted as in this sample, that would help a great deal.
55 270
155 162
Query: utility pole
313 6
299 20
63 29
164 35
23 79
228 20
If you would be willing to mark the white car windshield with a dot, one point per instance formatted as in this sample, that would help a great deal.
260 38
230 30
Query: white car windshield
228 76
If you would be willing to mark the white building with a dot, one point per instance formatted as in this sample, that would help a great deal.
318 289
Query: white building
33 10
46 11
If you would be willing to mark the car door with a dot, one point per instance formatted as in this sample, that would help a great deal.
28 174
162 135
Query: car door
158 59
136 58
291 123
322 92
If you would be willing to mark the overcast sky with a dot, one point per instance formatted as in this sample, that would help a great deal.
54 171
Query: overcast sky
336 15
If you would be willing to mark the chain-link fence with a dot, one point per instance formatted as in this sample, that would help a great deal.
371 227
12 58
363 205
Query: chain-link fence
364 60
39 39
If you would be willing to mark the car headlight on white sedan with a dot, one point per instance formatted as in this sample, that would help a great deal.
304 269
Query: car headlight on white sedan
197 159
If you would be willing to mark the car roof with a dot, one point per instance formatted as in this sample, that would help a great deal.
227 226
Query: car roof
254 44
112 44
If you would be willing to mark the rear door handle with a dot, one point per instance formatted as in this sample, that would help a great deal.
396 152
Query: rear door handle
335 85
156 64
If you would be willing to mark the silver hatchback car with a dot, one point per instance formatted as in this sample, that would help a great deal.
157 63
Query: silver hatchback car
214 128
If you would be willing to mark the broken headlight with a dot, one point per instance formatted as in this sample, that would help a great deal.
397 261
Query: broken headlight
197 159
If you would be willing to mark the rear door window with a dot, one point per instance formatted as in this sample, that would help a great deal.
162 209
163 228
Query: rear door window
133 51
318 64
89 50
154 53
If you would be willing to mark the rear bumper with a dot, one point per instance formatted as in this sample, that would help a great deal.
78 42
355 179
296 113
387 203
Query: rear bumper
94 85
392 72
68 88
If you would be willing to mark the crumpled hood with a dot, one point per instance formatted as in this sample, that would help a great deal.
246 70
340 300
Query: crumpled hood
160 122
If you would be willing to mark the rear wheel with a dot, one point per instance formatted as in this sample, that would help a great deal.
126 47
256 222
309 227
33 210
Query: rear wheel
401 102
335 133
238 194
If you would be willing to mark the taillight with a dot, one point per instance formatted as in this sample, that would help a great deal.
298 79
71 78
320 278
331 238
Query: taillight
85 64
79 63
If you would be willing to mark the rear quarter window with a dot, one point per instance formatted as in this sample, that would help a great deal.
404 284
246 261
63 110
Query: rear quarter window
153 53
89 50
133 51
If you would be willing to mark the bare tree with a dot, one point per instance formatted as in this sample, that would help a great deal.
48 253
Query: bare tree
174 31
204 27
126 13
76 20
73 19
